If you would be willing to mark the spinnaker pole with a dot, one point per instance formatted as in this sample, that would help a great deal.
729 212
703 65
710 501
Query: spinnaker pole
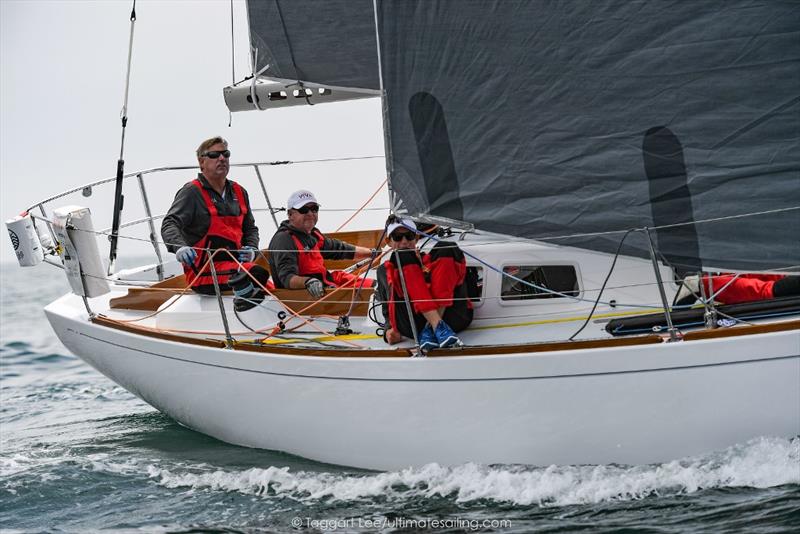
119 200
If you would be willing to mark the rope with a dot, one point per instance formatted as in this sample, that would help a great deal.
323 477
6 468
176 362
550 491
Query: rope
364 205
596 302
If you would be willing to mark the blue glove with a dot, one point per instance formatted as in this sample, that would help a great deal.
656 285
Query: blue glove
186 255
247 254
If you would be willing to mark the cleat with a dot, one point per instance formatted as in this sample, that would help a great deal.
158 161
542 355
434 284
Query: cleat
446 337
427 339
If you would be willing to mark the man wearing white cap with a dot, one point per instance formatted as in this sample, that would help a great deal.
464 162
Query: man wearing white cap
298 250
435 287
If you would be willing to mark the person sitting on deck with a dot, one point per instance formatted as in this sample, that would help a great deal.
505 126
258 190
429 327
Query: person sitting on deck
210 213
436 286
298 250
727 288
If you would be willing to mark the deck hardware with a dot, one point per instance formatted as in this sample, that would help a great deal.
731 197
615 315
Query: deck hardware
343 326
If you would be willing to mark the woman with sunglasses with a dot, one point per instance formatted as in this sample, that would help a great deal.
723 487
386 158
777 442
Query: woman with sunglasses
298 250
435 283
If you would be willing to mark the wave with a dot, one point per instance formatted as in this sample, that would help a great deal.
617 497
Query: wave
760 463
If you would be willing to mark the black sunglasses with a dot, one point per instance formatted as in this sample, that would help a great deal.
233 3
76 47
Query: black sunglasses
214 154
399 236
306 209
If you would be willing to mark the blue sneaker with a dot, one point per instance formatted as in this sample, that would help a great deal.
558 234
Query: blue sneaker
446 337
427 339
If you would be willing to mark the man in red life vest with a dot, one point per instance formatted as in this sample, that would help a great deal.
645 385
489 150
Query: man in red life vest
212 212
436 285
298 249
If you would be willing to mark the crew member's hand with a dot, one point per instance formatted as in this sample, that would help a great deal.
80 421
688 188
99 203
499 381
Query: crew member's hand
247 254
393 336
186 255
315 288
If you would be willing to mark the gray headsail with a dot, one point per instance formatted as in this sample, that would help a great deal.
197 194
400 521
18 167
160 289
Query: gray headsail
329 42
555 118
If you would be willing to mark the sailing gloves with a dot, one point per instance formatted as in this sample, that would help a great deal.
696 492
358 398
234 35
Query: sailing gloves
186 255
247 254
315 288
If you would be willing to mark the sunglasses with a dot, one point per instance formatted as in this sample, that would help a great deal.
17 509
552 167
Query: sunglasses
306 209
399 236
214 154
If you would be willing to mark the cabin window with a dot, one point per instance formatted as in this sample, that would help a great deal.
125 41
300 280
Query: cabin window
560 278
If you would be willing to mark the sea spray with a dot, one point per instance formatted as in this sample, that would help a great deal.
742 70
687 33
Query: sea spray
760 463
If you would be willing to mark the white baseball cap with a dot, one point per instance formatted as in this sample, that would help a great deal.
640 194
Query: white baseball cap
298 199
400 223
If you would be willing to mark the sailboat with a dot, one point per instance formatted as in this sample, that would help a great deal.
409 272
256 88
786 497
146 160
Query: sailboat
585 157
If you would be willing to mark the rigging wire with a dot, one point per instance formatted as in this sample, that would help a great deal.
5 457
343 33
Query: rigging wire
233 64
233 51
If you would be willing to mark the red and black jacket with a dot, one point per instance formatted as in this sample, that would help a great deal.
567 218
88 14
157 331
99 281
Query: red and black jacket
435 280
224 232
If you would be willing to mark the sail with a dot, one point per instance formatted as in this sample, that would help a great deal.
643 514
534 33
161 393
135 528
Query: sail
575 121
328 42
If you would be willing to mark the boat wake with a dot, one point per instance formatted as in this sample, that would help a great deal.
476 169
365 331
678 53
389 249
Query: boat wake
760 463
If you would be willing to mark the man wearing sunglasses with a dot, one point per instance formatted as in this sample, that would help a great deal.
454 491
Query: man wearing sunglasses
212 212
435 284
298 250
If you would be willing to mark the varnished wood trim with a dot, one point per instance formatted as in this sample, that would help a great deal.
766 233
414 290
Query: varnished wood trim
487 350
742 330
332 352
102 320
360 238
299 299
142 299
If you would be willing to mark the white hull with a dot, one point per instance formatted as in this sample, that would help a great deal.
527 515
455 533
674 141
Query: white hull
629 405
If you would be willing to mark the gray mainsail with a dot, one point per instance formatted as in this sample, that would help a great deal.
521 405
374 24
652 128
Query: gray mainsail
329 42
550 119
574 122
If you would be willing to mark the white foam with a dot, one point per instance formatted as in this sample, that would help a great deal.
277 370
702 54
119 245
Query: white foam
760 463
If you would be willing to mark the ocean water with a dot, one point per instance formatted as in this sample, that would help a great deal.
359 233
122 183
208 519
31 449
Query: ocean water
79 454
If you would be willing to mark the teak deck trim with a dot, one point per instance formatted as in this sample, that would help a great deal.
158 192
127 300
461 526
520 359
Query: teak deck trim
485 350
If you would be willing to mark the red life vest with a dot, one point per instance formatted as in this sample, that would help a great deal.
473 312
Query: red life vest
224 231
311 263
431 285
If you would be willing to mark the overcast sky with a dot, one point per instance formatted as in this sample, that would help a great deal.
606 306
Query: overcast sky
63 75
